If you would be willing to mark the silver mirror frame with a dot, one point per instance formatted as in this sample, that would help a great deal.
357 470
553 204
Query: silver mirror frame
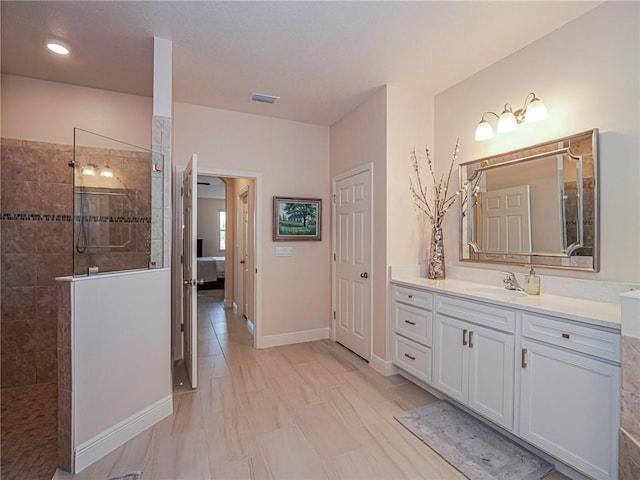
469 180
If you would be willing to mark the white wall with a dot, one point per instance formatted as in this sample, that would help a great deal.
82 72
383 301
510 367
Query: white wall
293 159
209 225
588 75
48 112
121 357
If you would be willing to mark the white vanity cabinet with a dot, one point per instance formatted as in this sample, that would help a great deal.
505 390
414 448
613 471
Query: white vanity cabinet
412 331
474 364
565 373
569 393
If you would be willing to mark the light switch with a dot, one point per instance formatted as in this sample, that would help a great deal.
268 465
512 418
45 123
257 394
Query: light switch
284 251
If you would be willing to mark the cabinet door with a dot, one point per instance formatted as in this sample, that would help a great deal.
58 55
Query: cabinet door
451 362
491 373
569 408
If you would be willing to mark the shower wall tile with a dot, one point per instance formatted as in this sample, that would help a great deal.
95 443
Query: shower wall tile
18 163
64 328
54 237
52 265
19 196
56 198
46 367
46 334
53 167
18 270
64 449
47 302
19 369
36 179
19 236
19 336
18 303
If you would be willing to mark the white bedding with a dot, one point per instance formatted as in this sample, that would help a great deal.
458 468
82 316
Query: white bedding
210 269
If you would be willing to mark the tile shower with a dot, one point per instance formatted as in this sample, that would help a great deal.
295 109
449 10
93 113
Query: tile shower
55 222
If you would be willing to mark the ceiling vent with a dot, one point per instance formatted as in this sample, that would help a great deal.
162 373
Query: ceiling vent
258 97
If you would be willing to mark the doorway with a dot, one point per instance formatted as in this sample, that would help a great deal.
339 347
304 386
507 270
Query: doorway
234 182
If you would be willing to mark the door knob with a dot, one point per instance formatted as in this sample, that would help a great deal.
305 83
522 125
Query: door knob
364 275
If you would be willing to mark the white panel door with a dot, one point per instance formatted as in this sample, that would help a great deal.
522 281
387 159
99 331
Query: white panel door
491 374
570 407
451 357
189 268
506 219
353 263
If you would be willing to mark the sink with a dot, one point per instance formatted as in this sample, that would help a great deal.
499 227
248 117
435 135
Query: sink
496 292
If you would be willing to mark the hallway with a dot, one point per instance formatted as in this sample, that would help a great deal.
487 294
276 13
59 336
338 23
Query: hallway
311 410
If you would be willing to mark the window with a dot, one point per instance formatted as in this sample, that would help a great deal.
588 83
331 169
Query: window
222 222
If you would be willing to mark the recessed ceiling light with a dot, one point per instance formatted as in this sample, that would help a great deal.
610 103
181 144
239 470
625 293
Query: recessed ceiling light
58 47
259 97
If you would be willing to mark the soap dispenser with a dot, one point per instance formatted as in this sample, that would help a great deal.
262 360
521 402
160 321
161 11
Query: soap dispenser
532 282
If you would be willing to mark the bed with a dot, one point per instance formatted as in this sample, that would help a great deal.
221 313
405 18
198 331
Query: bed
210 269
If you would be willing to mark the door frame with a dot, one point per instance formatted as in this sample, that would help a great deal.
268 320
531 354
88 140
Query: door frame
257 250
366 168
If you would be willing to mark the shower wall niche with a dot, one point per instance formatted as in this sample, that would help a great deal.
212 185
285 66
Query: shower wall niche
117 205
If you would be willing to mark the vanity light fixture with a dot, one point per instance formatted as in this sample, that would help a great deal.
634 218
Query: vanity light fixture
106 172
89 170
58 47
532 111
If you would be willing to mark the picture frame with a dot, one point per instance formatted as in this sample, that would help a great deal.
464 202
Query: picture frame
297 219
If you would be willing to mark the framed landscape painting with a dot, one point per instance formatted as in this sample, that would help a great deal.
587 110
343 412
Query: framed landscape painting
297 219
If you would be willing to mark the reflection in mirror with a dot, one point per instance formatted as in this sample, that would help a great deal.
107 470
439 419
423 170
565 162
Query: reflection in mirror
535 205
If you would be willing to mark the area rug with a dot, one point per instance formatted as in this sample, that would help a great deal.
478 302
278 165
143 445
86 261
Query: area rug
128 476
476 450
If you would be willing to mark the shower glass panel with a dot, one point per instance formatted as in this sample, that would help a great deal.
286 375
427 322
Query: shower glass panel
117 205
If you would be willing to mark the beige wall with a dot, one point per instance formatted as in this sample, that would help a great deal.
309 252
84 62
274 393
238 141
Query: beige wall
48 111
588 75
293 160
357 139
209 225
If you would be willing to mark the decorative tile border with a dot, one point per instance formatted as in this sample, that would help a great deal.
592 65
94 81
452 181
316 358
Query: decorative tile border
42 217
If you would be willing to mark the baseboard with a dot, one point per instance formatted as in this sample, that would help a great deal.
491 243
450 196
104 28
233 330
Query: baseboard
107 441
384 367
293 337
228 303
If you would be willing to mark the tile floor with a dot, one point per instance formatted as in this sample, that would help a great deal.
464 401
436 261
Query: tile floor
28 434
304 411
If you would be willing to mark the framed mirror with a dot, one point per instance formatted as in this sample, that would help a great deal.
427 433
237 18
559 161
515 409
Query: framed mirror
537 205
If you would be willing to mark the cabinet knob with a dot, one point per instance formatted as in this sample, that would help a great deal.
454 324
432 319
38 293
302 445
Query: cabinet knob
409 322
410 357
409 296
471 339
524 358
566 335
464 337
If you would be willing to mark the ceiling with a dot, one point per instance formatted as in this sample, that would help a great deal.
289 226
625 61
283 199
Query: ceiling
321 58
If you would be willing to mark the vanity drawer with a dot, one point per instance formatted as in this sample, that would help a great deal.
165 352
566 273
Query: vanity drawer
413 323
477 312
416 298
412 357
574 337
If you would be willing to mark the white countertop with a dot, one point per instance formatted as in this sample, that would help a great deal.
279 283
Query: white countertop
596 313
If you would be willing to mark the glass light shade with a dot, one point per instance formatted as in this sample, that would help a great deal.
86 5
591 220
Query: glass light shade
106 172
58 47
507 122
536 112
89 170
483 131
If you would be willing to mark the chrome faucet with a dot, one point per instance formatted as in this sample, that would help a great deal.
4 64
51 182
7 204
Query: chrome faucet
511 282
